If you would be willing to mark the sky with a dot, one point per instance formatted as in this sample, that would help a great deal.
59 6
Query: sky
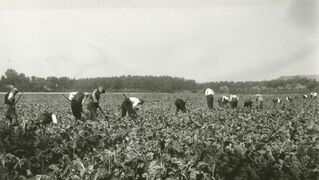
204 40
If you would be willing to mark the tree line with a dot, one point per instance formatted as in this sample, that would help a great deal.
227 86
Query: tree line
151 84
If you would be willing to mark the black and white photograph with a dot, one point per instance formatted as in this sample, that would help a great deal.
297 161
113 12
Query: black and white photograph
159 89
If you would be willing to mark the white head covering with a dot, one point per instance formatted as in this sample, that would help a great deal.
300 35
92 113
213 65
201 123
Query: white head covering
54 119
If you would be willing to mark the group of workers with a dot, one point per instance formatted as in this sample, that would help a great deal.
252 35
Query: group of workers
233 100
129 105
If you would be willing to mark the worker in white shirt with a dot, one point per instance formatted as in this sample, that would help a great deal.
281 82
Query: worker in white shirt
313 95
222 101
209 93
130 106
136 102
9 102
260 101
233 99
276 101
288 98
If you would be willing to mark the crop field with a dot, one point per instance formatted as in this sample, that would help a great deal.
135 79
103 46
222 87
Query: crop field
278 142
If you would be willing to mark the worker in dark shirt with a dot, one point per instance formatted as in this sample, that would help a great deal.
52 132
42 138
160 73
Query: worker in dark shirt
248 103
77 100
93 102
180 105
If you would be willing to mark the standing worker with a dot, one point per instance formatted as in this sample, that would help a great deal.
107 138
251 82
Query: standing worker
260 101
93 102
77 100
209 93
9 102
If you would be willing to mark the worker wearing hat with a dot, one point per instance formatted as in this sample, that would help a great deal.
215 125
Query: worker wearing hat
93 102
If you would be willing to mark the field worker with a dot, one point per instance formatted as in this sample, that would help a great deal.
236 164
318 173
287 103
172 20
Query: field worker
180 105
46 118
313 95
223 101
136 102
209 93
233 100
259 101
93 102
77 100
288 98
9 102
276 101
130 105
248 103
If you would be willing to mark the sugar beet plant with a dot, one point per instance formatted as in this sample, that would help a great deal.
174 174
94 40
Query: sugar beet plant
280 142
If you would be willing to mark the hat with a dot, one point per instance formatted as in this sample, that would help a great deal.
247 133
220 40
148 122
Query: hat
54 119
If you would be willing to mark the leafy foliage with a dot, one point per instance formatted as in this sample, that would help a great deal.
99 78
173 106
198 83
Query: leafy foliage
278 142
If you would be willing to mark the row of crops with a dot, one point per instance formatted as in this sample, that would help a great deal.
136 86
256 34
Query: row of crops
278 142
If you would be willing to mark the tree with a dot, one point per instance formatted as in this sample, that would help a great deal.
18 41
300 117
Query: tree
224 89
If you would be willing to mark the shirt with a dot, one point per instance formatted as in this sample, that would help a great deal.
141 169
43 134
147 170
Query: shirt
54 119
259 97
225 98
233 97
209 92
277 100
135 101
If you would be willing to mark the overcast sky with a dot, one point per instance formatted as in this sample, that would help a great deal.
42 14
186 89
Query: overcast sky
205 40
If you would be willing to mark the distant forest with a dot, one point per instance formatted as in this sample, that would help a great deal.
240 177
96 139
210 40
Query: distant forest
151 84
